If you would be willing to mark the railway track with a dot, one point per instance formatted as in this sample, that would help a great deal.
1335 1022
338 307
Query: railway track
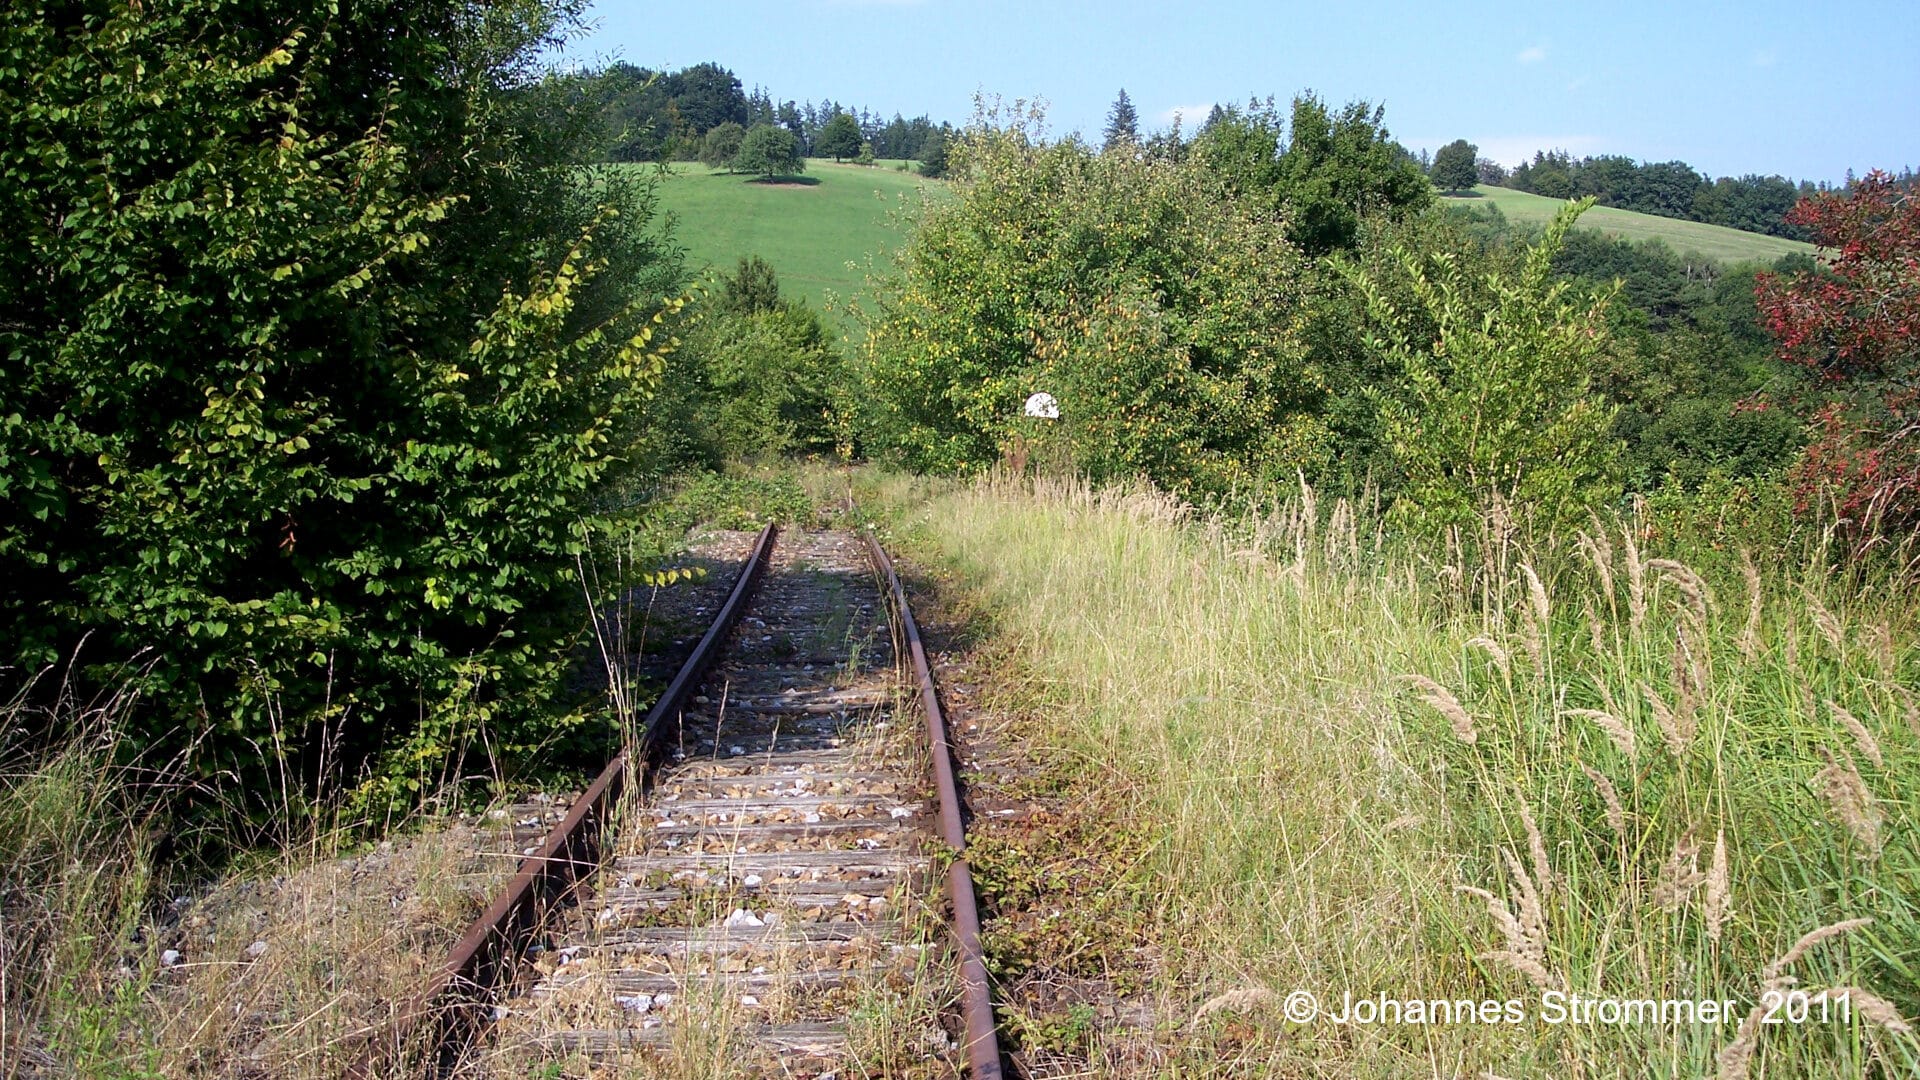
786 895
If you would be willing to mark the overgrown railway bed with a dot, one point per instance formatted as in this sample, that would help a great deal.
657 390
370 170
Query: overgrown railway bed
772 901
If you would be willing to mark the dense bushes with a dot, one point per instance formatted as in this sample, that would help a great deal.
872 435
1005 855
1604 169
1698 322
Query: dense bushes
1855 328
315 346
1201 330
757 376
1151 304
1189 340
1488 397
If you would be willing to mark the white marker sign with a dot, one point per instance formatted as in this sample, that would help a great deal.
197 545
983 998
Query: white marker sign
1043 406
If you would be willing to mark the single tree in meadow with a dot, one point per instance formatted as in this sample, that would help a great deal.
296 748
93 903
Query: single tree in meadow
768 151
1454 167
1123 123
840 138
722 145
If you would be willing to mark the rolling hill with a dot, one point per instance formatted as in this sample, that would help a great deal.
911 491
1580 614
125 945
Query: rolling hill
816 233
1715 242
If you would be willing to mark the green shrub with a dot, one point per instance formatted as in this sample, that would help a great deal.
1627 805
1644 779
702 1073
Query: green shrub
1490 392
316 347
1150 302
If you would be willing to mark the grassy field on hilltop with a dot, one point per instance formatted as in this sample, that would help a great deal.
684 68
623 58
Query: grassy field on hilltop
817 232
1715 242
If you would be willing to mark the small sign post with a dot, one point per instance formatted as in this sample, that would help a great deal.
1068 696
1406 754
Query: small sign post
1040 406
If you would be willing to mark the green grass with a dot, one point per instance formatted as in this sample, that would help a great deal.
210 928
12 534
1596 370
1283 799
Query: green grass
817 233
1714 242
1367 765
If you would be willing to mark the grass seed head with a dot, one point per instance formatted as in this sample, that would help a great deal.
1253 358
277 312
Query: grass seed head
1679 875
1718 906
1696 599
1851 801
1599 552
1536 848
1827 623
1636 582
1750 634
1618 732
1616 813
1493 650
1863 739
1736 1058
1676 728
1774 977
1443 701
1533 914
1875 1009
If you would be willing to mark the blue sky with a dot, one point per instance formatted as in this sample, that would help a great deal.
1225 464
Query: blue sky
1807 90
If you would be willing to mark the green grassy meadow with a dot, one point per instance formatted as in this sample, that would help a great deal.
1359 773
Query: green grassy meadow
816 233
1715 242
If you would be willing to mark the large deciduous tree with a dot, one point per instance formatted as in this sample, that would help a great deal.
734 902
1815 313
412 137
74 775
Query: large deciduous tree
1326 170
838 138
1855 324
1453 166
768 151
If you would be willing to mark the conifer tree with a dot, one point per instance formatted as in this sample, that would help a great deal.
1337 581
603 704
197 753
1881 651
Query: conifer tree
1123 123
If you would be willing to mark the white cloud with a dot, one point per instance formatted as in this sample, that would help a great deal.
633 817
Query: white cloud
1765 58
1511 150
1191 116
1532 54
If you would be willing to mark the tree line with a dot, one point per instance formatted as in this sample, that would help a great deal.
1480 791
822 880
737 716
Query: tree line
1674 189
668 115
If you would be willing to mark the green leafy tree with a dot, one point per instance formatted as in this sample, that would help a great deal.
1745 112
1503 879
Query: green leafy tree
839 138
933 156
722 146
317 353
1340 166
1491 395
1150 301
1123 124
766 372
753 287
866 154
1325 170
768 151
1453 166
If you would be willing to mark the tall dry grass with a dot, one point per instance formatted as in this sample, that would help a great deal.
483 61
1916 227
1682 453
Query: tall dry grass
114 965
1477 769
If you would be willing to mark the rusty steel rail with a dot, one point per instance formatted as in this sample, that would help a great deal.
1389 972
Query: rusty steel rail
976 999
445 1017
